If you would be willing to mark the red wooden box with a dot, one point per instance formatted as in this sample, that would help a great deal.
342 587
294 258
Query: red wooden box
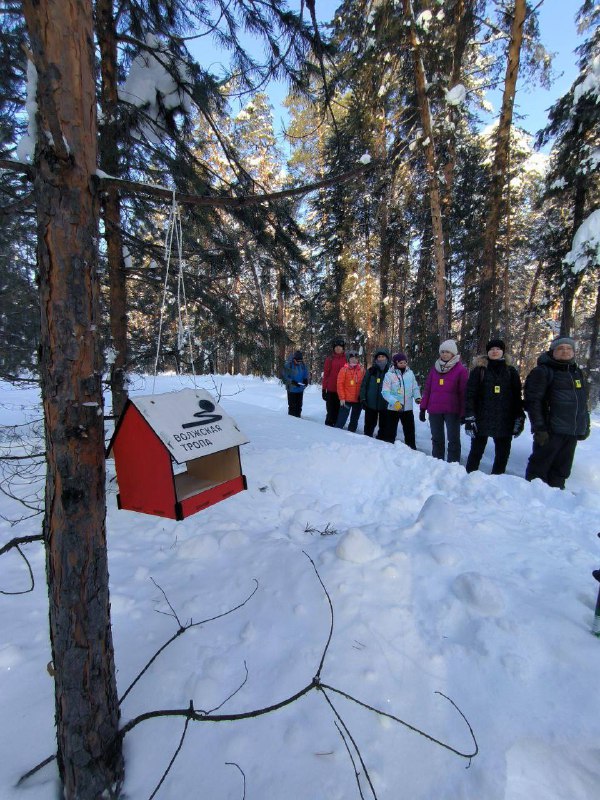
176 454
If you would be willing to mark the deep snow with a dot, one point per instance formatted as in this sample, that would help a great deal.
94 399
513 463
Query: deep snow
474 586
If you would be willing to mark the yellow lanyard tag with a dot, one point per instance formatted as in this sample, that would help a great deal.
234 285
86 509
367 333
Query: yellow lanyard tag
578 384
378 380
496 390
441 381
351 383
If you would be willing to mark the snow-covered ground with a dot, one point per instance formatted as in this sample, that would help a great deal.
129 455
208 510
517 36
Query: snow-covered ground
472 586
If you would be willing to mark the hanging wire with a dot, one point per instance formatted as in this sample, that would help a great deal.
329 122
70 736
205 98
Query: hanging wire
174 229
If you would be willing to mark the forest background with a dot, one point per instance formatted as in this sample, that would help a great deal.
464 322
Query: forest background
459 226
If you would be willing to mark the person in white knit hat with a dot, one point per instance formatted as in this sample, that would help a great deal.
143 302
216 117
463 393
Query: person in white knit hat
444 399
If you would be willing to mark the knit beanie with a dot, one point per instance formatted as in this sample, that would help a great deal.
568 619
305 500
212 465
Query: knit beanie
562 340
450 346
399 357
297 356
495 343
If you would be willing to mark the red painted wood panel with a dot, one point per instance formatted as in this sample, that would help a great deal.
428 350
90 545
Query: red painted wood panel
143 466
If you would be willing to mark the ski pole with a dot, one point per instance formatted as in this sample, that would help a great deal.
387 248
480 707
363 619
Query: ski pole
596 625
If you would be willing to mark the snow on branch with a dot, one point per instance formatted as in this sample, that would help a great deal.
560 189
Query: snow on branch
158 83
585 251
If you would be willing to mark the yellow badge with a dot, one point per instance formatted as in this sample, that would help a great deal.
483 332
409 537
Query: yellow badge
378 380
351 383
441 381
496 390
578 384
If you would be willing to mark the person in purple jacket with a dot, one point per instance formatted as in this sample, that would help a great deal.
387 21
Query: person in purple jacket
444 399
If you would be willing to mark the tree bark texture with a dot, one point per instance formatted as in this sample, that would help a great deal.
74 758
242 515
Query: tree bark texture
435 201
86 704
111 202
498 180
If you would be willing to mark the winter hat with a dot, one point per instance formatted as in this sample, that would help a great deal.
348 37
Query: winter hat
495 343
562 340
339 342
297 355
399 357
450 346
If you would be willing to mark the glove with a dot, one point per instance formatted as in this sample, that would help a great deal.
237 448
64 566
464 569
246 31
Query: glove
342 404
471 427
397 406
422 415
541 438
518 426
582 437
324 394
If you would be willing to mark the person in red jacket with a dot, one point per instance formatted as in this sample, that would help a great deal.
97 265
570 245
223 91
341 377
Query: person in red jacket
348 388
333 364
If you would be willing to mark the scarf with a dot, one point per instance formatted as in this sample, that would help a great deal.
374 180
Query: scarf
446 366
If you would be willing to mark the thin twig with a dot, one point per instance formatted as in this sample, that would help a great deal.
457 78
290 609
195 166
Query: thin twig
19 540
35 769
318 673
26 560
412 727
356 772
183 629
345 727
239 688
233 764
175 754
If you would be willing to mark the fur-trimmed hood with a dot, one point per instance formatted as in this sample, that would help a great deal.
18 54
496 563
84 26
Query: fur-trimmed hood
482 361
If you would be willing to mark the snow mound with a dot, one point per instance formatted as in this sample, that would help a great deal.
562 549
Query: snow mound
480 593
356 546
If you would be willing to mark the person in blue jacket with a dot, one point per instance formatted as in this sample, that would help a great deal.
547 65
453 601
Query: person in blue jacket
295 377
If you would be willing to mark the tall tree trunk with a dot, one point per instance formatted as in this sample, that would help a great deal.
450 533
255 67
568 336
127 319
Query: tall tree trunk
384 270
86 705
109 161
435 202
506 275
573 282
280 322
498 180
593 364
529 312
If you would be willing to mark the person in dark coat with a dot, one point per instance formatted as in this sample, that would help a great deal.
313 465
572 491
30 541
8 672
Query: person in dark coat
493 407
376 406
331 368
556 402
295 377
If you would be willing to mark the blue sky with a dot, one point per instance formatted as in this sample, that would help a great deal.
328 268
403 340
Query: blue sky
558 34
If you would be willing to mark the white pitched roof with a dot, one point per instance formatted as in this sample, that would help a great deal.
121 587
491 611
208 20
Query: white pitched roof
189 423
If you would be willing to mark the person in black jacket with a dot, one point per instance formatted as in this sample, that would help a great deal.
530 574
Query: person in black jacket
376 406
493 407
556 401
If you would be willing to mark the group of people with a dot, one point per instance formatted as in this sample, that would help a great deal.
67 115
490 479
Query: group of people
488 400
